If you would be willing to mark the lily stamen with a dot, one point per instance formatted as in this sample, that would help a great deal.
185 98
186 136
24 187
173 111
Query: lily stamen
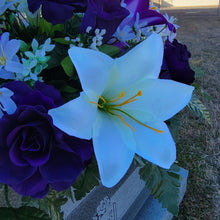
102 98
130 99
3 59
154 129
108 108
96 104
122 120
121 96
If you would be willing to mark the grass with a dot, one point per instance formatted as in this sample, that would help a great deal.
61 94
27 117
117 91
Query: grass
198 148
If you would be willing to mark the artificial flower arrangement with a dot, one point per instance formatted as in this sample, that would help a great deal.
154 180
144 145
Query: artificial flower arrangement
84 84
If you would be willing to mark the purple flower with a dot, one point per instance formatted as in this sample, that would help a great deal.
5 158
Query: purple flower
176 63
140 12
57 11
33 153
103 14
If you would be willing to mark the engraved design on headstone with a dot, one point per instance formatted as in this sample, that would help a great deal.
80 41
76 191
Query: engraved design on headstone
106 210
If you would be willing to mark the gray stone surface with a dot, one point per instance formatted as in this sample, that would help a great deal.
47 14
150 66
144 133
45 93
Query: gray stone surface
129 200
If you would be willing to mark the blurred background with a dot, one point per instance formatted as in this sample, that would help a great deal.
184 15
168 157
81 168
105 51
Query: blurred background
198 147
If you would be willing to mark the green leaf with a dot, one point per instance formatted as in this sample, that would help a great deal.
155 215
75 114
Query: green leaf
62 41
67 65
198 72
87 180
163 184
48 28
202 92
69 89
109 50
52 202
22 213
57 55
174 126
23 46
196 106
71 28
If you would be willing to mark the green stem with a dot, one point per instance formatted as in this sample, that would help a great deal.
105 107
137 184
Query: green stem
6 196
54 214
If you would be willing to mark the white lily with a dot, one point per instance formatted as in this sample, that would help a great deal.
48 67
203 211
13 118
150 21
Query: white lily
123 107
7 104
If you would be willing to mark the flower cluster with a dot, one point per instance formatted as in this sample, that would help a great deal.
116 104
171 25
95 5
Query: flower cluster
84 77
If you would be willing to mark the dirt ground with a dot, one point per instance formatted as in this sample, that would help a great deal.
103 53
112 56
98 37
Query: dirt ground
199 145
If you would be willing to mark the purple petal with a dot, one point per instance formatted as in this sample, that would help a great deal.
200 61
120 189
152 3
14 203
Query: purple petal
9 172
49 91
59 186
62 166
20 90
104 14
177 59
35 186
36 98
34 5
56 13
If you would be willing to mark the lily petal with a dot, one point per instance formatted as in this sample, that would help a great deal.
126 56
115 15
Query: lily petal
76 117
143 61
93 69
13 66
9 105
161 99
155 147
12 48
112 153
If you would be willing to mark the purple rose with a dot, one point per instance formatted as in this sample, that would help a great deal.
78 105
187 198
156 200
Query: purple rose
103 14
57 11
33 152
176 63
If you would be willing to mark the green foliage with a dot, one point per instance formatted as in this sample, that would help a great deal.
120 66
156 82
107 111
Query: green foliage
62 41
57 55
202 92
87 180
67 65
196 106
48 28
163 184
24 46
109 50
198 72
174 126
23 213
51 203
72 27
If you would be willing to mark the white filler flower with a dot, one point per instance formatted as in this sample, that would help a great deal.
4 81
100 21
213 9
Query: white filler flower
123 107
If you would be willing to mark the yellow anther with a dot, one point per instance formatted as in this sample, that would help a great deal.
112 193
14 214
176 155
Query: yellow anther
153 8
123 34
96 104
130 99
121 96
102 98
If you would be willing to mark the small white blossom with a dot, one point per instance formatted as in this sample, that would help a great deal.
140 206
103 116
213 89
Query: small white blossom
36 59
164 31
88 29
97 39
